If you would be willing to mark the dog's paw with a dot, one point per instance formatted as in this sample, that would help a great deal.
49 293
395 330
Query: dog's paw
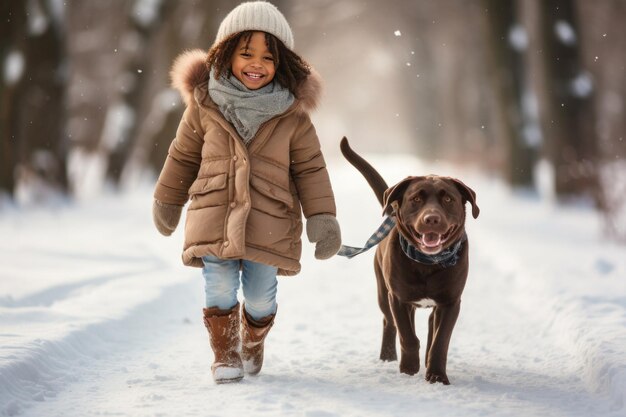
388 357
409 367
437 376
388 354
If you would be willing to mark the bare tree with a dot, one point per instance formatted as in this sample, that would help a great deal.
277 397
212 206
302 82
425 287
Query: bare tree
144 20
11 63
451 89
98 49
32 119
603 42
505 74
553 59
185 25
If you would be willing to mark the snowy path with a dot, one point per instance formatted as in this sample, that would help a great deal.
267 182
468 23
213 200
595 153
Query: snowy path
97 317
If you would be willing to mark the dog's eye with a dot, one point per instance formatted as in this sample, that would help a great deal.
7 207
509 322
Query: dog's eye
417 199
447 199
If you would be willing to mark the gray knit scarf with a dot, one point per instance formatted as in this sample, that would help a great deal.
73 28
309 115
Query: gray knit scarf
248 109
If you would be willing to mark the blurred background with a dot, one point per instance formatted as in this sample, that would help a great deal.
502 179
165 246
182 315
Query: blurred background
528 91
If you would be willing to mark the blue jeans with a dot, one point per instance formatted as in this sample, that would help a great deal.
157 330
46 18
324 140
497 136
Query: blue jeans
258 281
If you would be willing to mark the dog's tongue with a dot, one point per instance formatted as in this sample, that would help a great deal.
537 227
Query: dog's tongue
431 240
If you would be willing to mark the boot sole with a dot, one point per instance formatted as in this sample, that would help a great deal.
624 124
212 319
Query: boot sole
228 381
227 374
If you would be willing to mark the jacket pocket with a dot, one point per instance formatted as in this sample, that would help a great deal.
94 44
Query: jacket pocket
207 184
272 191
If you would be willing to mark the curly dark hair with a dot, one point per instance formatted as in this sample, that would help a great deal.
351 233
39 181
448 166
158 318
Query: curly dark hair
291 70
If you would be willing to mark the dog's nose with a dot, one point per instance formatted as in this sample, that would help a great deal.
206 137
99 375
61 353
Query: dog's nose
432 219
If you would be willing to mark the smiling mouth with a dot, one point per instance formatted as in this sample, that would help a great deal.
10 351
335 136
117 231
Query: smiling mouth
432 242
254 76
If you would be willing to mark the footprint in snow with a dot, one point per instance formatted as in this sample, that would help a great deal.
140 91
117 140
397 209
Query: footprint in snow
603 266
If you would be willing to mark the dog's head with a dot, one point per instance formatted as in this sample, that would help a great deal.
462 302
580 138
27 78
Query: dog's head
430 210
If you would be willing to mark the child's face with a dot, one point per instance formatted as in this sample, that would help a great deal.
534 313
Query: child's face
252 63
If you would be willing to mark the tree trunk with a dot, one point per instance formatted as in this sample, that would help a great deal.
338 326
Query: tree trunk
162 107
603 47
11 49
505 74
133 98
33 106
567 121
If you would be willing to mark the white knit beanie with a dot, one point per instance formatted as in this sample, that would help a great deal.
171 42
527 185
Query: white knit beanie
256 15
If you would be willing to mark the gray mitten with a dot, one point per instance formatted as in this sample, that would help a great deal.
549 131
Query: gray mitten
166 217
323 230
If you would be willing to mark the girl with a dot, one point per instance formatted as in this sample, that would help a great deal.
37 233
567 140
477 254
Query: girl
247 157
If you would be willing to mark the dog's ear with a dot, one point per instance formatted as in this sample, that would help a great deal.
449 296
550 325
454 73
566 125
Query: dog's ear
468 194
395 193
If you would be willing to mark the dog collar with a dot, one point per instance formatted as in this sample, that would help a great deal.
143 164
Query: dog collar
446 258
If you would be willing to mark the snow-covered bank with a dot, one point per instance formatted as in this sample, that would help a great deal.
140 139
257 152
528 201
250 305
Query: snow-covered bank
98 317
566 274
70 278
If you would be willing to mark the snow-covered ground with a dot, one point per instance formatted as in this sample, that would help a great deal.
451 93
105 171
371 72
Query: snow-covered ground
99 317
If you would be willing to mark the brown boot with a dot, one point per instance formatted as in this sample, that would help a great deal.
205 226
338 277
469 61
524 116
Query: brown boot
223 327
253 333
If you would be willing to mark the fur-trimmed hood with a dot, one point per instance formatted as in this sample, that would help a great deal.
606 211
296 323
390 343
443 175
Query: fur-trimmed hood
190 71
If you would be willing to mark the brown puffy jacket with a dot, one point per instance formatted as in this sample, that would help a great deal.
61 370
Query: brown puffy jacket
246 202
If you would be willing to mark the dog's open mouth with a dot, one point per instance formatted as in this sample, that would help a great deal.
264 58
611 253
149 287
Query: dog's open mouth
432 242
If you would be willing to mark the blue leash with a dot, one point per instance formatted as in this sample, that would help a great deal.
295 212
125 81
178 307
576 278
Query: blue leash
349 251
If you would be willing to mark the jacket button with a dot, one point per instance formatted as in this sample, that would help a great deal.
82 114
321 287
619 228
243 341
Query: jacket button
233 204
226 243
235 158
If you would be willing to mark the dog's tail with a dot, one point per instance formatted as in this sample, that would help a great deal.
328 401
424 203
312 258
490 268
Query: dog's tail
372 176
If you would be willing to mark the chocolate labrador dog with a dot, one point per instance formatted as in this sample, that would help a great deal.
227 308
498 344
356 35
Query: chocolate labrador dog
423 262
